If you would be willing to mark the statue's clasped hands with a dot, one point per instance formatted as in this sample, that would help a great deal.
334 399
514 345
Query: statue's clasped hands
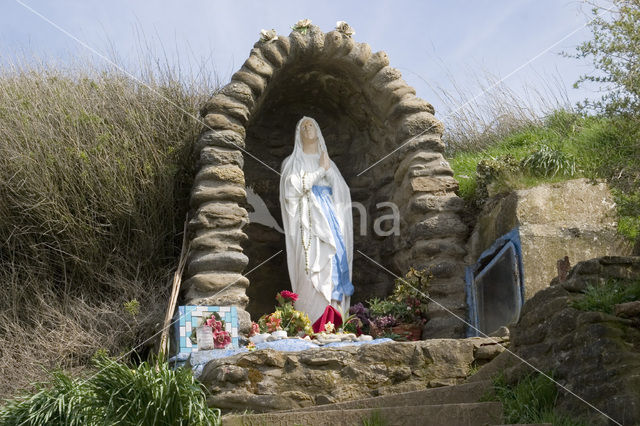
324 160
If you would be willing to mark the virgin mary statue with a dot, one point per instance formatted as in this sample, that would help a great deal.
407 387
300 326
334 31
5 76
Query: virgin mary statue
316 215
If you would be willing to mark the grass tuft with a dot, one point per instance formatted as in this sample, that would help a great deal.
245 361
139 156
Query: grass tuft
149 394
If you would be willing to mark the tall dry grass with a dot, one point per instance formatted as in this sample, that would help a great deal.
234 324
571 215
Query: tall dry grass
489 108
95 172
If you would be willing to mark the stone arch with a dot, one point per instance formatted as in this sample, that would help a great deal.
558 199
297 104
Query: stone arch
366 111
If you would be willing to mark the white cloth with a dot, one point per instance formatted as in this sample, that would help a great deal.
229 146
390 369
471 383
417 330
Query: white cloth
314 289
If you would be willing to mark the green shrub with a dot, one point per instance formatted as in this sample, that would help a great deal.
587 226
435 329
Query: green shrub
531 400
603 297
150 394
549 162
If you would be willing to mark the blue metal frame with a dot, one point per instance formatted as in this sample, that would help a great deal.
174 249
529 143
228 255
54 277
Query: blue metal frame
509 240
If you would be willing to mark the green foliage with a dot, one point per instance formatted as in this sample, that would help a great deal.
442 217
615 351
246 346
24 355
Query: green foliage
615 52
629 212
150 394
603 297
63 401
567 145
414 284
375 419
531 400
132 307
547 161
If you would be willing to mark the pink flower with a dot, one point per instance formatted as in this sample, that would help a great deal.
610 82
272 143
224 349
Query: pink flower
214 324
255 329
273 323
289 295
221 339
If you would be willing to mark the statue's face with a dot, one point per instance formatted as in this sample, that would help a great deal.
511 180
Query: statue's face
308 130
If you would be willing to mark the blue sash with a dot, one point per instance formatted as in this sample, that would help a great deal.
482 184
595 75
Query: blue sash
340 276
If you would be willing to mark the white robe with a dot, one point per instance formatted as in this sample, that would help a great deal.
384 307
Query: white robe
314 290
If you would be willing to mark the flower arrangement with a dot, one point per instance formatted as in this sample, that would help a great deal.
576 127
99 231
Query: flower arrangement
268 35
302 26
285 317
221 337
359 321
404 310
345 28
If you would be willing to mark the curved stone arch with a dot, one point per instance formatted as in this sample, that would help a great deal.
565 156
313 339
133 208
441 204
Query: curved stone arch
366 111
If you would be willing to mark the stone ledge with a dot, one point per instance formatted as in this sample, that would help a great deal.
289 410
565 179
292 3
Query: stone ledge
268 380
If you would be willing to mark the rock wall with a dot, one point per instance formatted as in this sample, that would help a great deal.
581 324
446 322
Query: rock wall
594 354
574 218
369 117
268 380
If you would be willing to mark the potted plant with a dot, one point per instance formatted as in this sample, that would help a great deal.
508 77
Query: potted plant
404 312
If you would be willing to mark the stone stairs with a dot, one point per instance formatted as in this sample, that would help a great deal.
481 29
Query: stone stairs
446 405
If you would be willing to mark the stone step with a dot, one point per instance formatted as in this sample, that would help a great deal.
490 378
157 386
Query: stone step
461 414
463 393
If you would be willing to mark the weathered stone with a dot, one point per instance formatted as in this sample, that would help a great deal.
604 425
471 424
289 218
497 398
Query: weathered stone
573 218
216 191
223 104
628 309
446 246
263 379
415 158
219 215
227 173
384 76
228 373
437 185
410 104
218 156
590 351
429 141
337 45
217 121
214 240
274 53
427 203
488 352
239 91
256 63
251 79
215 281
436 226
374 64
233 261
220 138
419 124
360 53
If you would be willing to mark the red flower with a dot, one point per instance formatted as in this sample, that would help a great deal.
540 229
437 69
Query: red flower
289 295
221 339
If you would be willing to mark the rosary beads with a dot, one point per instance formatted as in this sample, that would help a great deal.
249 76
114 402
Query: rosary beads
305 192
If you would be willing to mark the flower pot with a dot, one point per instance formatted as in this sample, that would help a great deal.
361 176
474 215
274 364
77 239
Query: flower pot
409 331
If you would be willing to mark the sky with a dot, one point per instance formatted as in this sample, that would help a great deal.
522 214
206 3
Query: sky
435 44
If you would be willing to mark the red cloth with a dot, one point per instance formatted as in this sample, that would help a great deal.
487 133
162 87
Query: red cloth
330 315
